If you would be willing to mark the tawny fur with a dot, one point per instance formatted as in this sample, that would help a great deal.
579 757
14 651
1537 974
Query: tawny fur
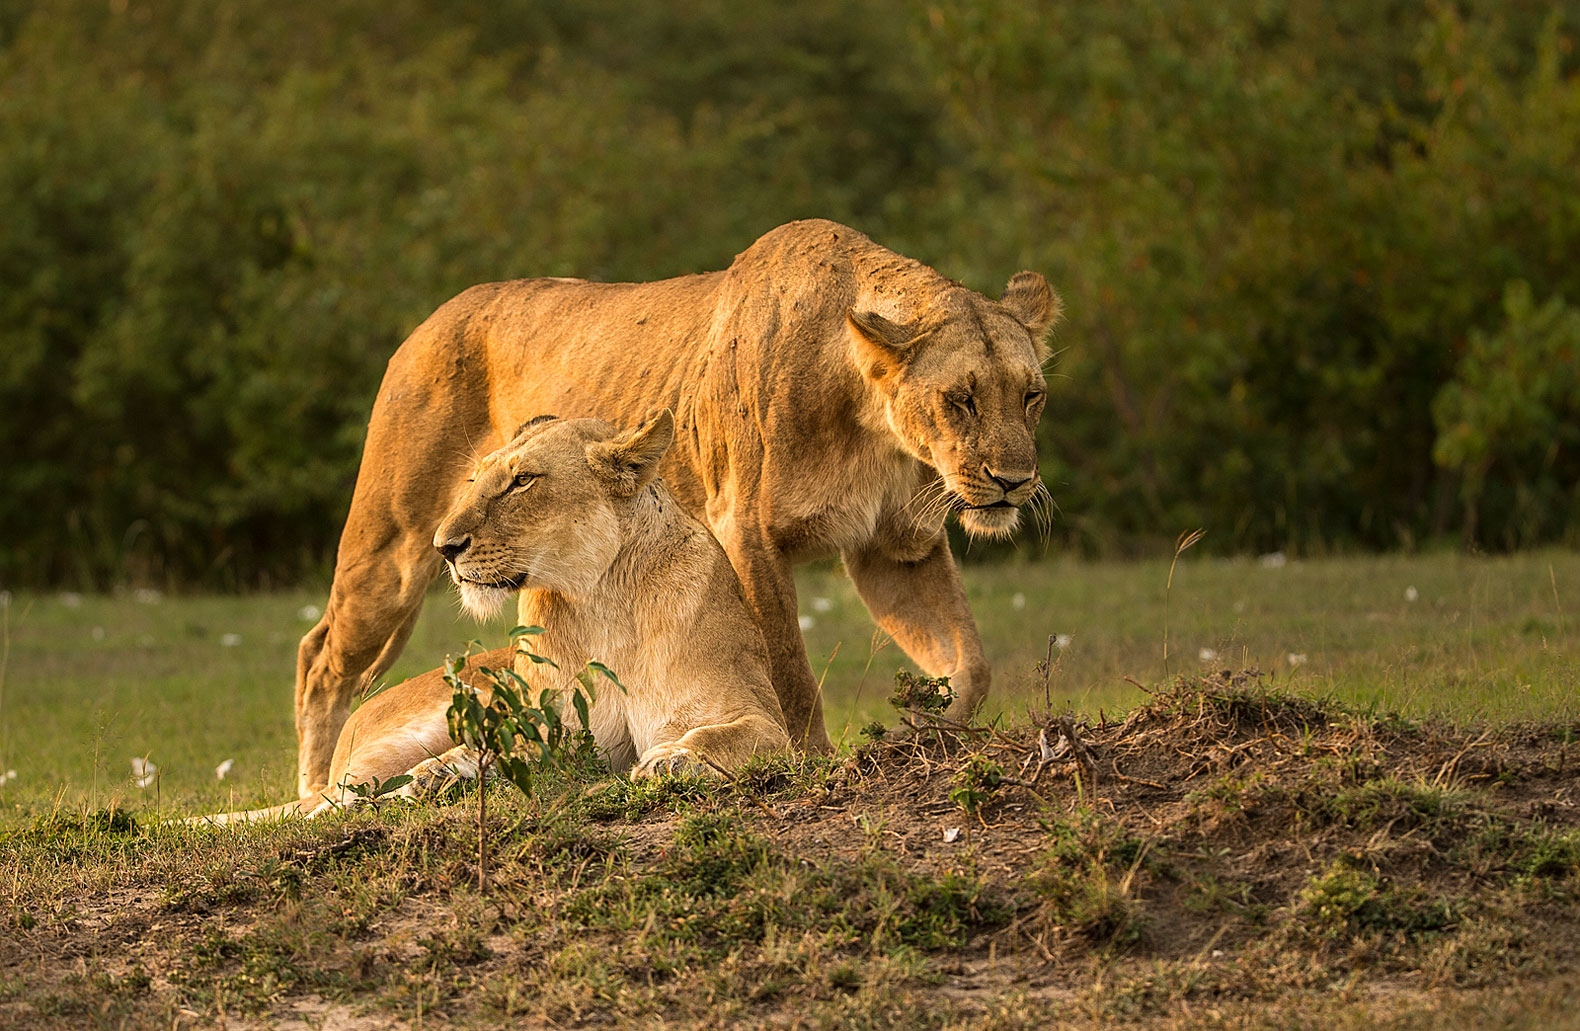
831 397
616 570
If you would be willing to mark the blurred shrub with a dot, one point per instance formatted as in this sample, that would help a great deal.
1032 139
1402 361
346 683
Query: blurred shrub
1275 222
222 220
1289 233
1509 421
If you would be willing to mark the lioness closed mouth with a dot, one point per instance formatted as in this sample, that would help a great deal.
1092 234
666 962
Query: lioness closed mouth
511 584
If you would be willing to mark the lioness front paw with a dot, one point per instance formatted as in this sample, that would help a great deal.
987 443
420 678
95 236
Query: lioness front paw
671 760
438 774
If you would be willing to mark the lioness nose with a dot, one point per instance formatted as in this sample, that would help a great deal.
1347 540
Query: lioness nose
1008 483
452 547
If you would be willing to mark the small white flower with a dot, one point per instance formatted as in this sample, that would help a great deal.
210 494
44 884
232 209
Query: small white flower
1296 658
1411 594
822 604
1018 601
223 768
98 633
308 613
1208 655
229 640
1239 606
1062 640
807 622
951 834
143 771
147 596
8 775
71 599
1274 560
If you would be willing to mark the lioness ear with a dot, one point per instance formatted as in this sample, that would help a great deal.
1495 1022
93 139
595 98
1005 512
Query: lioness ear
1030 299
881 346
629 461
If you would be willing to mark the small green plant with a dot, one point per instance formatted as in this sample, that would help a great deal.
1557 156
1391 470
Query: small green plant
919 697
1088 884
520 731
976 783
376 788
1343 902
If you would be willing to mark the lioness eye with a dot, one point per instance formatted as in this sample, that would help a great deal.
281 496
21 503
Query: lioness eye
522 479
965 402
1032 397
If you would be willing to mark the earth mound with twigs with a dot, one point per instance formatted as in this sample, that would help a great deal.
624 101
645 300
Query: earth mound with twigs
1222 855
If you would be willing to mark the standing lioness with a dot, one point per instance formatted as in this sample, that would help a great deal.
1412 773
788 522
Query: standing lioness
573 515
832 396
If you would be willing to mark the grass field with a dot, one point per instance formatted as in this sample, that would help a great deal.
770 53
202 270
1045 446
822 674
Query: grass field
1381 831
188 682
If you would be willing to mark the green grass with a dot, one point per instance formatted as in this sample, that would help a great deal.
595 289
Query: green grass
1486 638
88 686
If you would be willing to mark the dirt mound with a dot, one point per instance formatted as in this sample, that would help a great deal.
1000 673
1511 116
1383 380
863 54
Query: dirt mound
1222 814
1224 854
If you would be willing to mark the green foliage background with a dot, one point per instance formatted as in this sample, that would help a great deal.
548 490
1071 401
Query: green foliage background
1319 257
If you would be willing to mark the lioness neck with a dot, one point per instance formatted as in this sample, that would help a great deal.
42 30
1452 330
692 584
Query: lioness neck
646 593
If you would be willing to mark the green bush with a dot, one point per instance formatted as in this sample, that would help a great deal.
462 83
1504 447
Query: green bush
1509 421
1285 230
1275 225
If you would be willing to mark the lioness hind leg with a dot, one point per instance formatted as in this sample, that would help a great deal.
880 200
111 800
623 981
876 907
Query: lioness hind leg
770 590
364 625
421 439
714 749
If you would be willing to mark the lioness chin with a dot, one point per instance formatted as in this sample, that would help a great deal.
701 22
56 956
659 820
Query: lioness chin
614 568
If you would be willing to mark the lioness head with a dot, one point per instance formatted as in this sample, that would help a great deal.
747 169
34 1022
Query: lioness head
548 510
963 388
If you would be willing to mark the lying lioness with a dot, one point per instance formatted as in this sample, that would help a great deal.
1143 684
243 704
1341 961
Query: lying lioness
616 571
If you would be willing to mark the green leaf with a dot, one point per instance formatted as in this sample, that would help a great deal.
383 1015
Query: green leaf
395 783
606 671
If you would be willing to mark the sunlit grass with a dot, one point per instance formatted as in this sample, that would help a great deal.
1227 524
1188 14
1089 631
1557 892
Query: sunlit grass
91 683
1485 638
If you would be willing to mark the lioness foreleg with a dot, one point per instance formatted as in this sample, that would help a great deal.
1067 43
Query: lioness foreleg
437 773
922 605
714 748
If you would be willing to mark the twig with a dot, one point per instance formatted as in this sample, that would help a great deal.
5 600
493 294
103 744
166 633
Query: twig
1136 780
1446 773
1045 667
1185 541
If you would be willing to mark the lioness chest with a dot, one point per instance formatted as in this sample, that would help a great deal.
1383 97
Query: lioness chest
844 506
